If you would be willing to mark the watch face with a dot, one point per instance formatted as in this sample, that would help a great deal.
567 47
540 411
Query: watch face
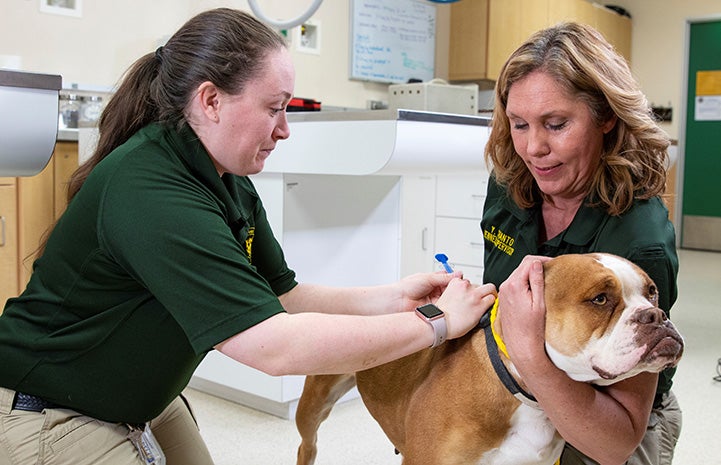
430 311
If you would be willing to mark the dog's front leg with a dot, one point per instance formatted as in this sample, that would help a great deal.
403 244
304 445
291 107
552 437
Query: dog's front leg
320 393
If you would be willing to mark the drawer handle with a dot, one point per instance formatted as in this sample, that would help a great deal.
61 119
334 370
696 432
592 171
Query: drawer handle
424 232
476 244
2 236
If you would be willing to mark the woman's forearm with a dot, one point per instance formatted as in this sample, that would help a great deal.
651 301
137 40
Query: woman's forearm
315 343
371 300
308 342
404 295
605 423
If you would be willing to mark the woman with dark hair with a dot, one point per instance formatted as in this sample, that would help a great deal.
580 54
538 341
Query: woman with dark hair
165 253
578 164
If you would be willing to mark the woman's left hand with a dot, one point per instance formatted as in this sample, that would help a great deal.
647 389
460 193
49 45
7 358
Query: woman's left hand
423 288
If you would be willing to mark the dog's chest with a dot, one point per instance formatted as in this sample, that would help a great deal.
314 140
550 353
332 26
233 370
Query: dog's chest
531 440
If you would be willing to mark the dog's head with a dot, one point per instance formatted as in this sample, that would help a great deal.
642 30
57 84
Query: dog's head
603 323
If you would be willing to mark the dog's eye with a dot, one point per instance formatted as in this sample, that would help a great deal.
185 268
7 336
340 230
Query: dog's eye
652 293
600 299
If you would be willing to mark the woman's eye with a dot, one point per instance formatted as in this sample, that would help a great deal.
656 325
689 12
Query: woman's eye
519 126
600 299
557 127
275 111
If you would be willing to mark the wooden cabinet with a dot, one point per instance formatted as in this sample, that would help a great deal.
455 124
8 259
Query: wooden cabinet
33 204
35 216
615 27
8 240
485 32
468 47
510 23
65 162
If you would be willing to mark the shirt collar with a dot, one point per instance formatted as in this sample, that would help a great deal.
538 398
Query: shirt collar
580 232
187 145
584 226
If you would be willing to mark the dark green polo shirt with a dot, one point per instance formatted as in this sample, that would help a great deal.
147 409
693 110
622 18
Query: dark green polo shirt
155 261
643 235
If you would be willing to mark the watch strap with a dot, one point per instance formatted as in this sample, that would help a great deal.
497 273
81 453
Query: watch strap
440 331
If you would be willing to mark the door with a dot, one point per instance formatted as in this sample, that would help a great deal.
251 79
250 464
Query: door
701 209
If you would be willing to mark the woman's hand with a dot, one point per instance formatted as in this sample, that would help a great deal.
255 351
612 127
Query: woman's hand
464 304
522 310
423 288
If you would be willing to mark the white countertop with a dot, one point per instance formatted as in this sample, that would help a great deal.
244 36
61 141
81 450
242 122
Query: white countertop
369 142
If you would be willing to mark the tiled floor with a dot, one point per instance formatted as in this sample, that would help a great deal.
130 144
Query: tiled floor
237 435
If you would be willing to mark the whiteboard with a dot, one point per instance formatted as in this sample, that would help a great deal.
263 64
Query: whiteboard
392 40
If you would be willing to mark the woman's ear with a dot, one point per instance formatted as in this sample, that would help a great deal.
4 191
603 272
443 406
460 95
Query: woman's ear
610 124
208 101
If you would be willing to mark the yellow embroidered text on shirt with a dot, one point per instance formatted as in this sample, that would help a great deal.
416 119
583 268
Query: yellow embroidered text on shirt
249 244
500 240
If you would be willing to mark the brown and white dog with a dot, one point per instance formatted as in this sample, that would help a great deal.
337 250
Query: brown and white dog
447 406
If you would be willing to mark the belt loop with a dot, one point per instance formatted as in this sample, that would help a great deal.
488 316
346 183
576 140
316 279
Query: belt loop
6 400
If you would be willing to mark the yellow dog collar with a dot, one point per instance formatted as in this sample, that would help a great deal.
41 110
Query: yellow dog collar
499 342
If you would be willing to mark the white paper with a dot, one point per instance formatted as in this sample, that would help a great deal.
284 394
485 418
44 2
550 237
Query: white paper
708 108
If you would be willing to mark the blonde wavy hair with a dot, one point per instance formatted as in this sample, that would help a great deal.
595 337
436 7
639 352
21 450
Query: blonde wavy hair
634 158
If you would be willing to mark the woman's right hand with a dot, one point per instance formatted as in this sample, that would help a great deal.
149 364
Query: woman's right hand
464 304
522 311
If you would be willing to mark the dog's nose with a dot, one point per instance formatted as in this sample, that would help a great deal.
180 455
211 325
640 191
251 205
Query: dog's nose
651 315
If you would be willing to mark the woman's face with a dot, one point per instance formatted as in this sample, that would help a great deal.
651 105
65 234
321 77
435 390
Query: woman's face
555 135
245 128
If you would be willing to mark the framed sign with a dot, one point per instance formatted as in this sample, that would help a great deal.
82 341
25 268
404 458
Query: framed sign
62 7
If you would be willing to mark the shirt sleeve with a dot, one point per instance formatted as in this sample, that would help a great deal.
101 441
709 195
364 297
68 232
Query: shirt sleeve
171 235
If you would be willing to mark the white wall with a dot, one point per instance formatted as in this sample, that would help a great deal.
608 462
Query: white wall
97 48
94 49
658 48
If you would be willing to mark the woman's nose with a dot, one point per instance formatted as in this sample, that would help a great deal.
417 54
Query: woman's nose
537 143
282 130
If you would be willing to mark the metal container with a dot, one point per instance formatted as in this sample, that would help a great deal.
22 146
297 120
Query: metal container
69 111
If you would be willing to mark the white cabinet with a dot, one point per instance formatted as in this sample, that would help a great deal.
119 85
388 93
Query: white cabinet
335 230
418 216
459 208
462 195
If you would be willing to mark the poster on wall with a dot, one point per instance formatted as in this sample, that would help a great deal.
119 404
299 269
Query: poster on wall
708 96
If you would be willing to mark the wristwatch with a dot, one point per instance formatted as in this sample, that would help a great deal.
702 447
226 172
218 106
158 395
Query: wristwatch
435 317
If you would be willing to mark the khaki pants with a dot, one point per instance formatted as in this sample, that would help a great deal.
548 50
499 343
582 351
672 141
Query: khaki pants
657 446
65 437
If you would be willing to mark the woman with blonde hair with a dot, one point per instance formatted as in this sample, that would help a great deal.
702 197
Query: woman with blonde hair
578 165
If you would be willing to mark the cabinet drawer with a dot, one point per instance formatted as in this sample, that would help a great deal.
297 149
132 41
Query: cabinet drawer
472 273
461 195
460 239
